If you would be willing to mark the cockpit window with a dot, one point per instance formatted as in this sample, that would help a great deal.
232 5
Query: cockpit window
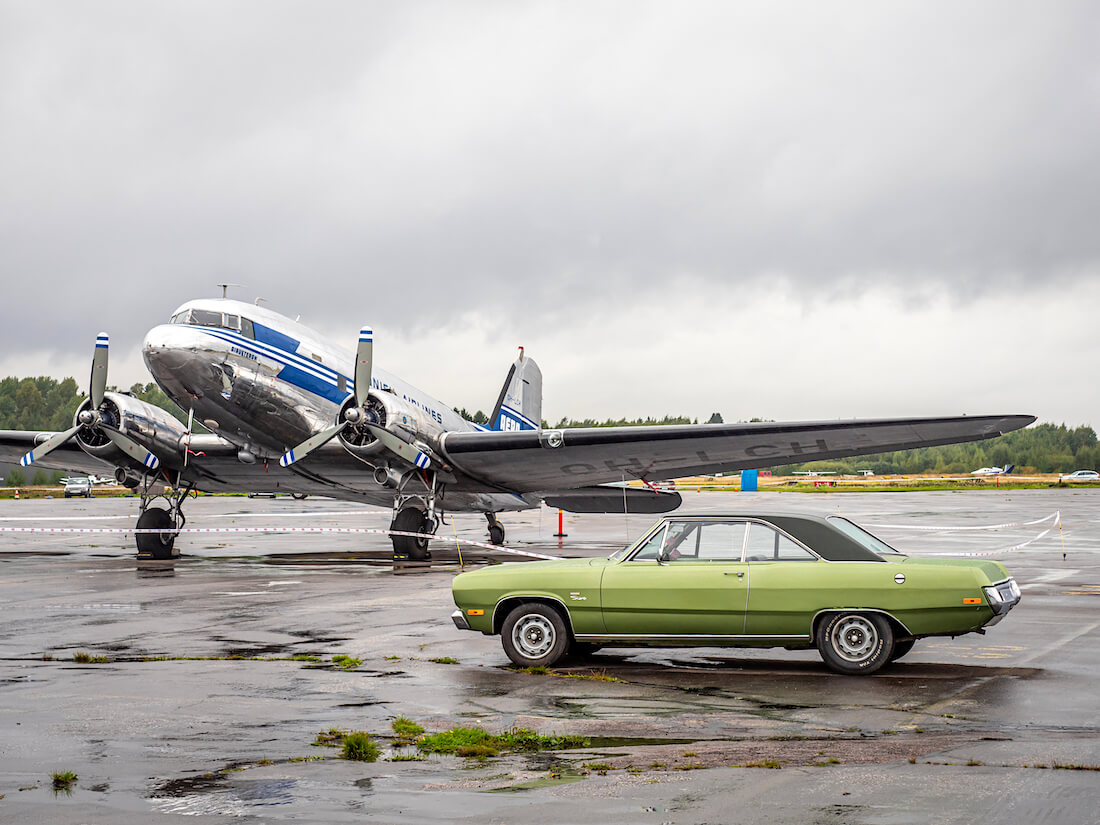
209 318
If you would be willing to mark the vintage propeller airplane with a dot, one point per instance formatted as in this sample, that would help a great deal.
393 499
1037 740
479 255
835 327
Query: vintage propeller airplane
292 412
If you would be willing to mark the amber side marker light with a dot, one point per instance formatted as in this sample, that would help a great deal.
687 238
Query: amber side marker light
473 612
972 601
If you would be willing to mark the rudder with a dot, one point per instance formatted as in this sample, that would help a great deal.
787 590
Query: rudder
519 406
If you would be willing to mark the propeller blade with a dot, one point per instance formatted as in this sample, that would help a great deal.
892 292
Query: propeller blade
187 443
364 355
48 446
311 444
403 448
98 383
131 448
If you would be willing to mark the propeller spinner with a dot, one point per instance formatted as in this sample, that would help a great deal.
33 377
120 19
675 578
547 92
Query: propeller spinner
90 418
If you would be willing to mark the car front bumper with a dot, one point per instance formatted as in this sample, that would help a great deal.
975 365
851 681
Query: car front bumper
1002 597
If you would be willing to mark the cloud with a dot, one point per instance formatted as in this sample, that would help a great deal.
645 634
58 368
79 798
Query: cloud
552 169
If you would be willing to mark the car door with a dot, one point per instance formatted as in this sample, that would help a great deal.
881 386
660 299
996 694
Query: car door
788 584
687 580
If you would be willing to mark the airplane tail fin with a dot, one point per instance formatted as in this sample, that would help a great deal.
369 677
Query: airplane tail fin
1009 468
519 406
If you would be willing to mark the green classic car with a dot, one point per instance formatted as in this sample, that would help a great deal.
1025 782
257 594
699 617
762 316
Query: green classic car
762 580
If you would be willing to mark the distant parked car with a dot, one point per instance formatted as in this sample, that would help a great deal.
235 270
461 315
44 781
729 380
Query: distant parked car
787 580
1082 475
78 487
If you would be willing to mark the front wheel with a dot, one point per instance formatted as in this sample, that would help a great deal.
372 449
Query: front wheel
155 545
534 634
855 643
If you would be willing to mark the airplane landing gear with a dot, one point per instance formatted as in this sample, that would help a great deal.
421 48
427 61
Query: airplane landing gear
496 529
160 546
414 513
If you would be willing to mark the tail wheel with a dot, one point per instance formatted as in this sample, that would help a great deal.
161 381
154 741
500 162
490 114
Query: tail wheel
155 545
410 520
534 634
855 643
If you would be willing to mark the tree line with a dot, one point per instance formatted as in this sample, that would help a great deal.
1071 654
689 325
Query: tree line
45 403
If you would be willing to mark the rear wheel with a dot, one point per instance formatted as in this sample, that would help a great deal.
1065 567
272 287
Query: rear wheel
534 634
855 643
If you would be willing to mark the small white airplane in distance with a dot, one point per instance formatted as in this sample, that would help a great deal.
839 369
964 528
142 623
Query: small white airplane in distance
293 412
994 471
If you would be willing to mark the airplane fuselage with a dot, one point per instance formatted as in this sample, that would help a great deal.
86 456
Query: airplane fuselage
263 381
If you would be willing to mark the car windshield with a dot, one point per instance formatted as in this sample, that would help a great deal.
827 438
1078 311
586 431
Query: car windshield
854 531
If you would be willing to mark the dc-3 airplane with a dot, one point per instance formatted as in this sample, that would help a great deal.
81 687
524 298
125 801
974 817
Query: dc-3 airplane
292 412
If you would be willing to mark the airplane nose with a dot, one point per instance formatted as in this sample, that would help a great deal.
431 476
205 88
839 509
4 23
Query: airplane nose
167 347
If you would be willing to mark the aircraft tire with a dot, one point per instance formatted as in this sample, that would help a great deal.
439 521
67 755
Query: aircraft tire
496 533
157 545
855 643
410 520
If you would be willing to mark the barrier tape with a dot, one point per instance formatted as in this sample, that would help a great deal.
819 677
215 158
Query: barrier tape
369 530
1056 516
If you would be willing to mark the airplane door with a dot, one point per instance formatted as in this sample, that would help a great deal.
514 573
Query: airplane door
699 586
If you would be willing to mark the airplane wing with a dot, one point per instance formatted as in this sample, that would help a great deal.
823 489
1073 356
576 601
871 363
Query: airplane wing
543 460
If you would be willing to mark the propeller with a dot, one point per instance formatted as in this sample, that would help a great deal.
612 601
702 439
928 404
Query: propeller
91 417
355 415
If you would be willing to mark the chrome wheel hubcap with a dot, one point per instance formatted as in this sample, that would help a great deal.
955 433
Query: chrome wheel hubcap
854 638
533 636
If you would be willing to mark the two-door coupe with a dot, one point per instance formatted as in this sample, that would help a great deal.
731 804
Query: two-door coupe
747 580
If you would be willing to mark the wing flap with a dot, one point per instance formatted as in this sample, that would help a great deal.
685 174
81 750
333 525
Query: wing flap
568 459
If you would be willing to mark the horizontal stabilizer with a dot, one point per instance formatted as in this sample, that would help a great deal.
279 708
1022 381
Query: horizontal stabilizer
614 500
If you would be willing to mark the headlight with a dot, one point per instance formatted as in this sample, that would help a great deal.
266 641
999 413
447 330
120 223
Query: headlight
1014 588
993 595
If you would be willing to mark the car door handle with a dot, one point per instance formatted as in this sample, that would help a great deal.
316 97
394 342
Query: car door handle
740 573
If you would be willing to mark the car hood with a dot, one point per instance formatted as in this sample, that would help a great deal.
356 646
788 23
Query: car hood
509 567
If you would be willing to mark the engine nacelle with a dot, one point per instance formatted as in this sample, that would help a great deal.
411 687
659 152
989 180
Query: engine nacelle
153 428
385 409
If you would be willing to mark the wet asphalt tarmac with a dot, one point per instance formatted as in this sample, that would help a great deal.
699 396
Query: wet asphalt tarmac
995 727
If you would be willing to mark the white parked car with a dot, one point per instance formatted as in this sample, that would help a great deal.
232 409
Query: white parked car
78 487
1081 475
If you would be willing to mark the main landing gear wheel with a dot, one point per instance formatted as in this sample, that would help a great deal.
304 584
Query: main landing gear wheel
496 530
534 634
855 643
411 520
155 545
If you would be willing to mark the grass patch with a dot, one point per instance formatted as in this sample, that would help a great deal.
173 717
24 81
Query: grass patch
600 676
405 730
63 781
83 657
690 766
305 657
331 738
766 763
306 758
407 757
599 767
346 662
445 660
827 763
360 747
1060 767
974 763
478 742
392 658
534 670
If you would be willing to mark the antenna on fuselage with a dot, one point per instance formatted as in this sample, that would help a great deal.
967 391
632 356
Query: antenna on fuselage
257 301
225 289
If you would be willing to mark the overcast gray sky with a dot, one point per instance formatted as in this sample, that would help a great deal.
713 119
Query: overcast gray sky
787 210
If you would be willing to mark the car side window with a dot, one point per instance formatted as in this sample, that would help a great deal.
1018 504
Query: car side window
767 544
649 550
722 541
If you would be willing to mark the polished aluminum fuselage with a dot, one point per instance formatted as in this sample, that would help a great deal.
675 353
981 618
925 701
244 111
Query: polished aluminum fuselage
275 383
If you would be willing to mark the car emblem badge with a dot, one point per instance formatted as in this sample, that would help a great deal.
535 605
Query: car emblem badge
577 597
900 578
